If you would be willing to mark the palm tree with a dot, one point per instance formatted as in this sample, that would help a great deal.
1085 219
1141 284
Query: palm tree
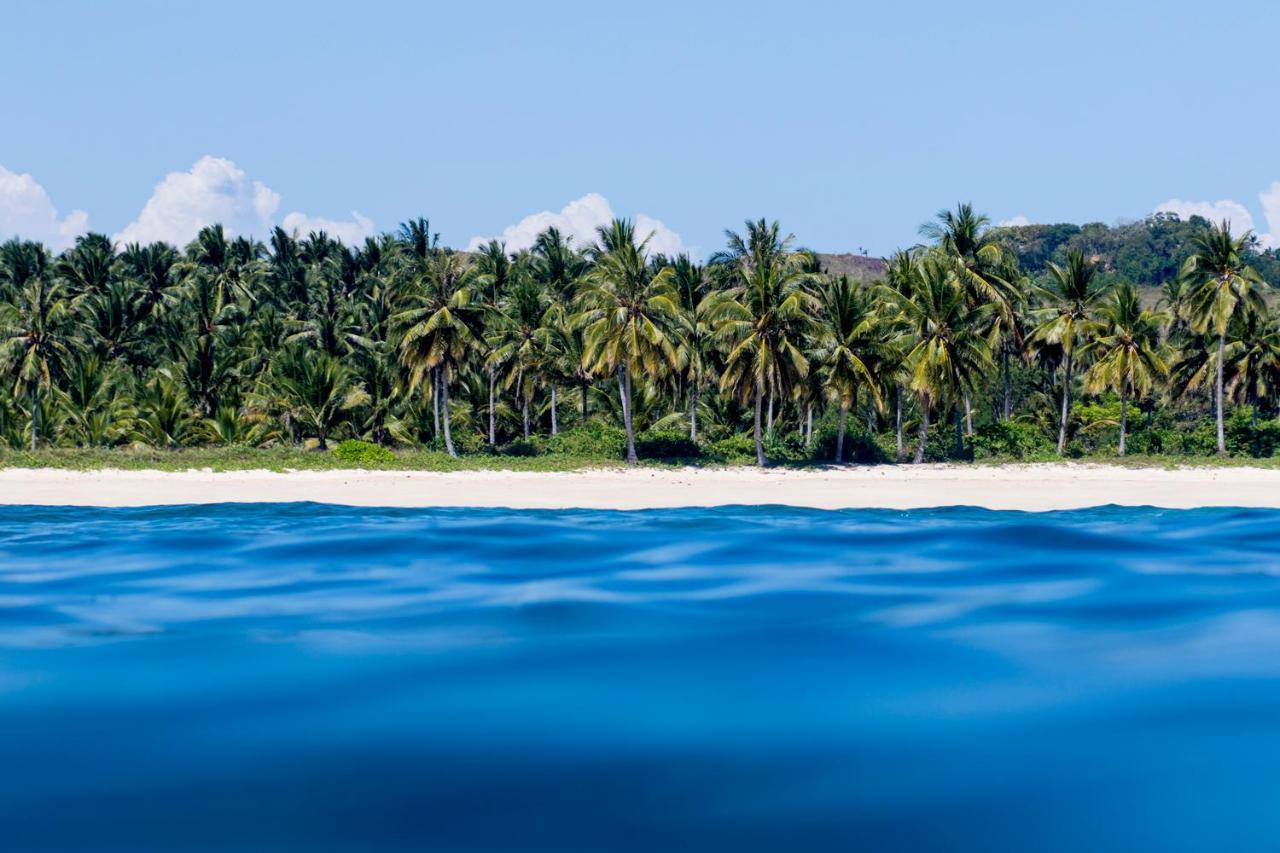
315 389
1126 352
1073 296
694 333
763 318
517 341
626 307
96 402
1220 284
493 279
34 339
438 323
987 275
850 344
947 354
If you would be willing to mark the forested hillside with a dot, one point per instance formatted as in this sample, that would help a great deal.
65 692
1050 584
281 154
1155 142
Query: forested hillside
1148 252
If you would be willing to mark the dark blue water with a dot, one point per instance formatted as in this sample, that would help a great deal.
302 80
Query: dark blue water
316 678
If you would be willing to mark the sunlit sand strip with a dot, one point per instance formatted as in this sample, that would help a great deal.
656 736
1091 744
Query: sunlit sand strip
1019 487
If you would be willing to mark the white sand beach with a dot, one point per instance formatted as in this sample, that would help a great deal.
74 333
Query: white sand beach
1018 487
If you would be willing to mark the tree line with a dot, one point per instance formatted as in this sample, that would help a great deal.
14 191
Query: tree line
404 342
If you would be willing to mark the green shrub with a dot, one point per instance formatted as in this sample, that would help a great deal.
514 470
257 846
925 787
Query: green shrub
735 448
1010 440
666 444
1245 438
359 452
860 446
593 440
522 447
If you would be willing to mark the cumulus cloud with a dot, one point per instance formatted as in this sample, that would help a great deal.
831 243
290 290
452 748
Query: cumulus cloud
26 211
349 232
1215 211
1270 199
213 190
1015 222
216 190
579 220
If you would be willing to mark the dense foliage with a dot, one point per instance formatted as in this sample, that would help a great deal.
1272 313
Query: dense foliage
1020 343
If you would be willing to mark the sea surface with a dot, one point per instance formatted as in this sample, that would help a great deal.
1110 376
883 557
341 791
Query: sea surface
306 677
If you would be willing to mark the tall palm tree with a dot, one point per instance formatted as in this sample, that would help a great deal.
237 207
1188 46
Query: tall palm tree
494 271
1126 353
34 338
439 322
850 344
988 275
626 307
948 355
1220 284
763 318
1072 296
518 341
694 332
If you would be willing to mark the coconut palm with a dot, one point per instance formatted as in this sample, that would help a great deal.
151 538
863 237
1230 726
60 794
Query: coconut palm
494 271
315 389
851 343
1220 284
694 333
438 323
1072 297
948 354
518 342
763 318
626 307
1126 352
34 338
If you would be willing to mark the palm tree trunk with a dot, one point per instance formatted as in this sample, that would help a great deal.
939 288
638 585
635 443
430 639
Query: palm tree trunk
443 379
760 460
1008 387
624 390
808 427
769 425
584 403
1222 348
924 425
844 410
897 418
493 420
524 412
968 416
554 428
1124 411
693 411
35 413
871 416
959 431
435 402
1066 398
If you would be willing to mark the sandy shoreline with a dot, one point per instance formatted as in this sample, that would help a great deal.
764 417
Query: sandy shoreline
1022 487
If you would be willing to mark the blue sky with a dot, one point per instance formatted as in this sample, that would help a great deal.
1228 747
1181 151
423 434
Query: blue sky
850 124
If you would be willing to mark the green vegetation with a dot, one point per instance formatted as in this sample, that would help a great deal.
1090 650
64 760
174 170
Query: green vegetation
403 354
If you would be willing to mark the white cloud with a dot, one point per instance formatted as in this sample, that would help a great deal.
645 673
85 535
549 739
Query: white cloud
1215 211
27 211
579 220
1270 198
351 233
216 190
1015 222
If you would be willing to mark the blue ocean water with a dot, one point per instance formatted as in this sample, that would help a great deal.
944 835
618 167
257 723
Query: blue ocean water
306 677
